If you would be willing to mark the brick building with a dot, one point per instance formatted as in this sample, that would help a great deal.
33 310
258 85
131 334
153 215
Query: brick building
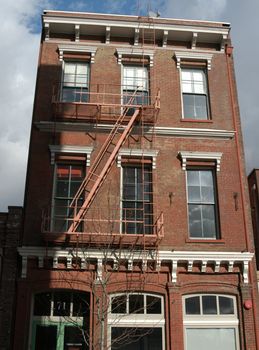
136 229
253 182
10 230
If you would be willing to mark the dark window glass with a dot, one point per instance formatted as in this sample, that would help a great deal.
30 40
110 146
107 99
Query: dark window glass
126 338
42 304
153 305
81 304
68 179
209 304
74 338
192 306
137 204
201 204
119 304
46 337
136 304
226 306
62 302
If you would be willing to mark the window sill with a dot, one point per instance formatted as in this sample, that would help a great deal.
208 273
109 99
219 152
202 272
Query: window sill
214 241
196 120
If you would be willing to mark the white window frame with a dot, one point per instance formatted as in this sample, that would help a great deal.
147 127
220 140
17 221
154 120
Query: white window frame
88 70
147 89
217 321
135 320
215 203
205 87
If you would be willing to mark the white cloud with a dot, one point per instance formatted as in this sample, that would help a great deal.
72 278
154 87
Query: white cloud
18 62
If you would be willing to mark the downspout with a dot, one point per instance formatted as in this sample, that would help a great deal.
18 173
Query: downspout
229 51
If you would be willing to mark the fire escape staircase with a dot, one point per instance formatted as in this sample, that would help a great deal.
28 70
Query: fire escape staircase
102 164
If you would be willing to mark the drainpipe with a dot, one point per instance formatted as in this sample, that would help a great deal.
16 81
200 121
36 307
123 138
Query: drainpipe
229 51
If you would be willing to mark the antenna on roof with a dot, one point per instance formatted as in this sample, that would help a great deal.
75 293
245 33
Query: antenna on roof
154 14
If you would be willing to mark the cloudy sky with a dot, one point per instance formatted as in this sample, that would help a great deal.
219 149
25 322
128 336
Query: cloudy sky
20 36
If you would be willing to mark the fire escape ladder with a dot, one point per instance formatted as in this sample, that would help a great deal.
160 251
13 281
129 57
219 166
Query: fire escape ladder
98 172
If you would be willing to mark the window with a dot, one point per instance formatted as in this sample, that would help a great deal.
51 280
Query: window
210 322
202 204
60 321
136 321
68 178
194 94
75 85
137 206
135 78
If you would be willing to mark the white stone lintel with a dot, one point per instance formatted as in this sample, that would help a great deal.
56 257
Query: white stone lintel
137 152
70 149
193 56
204 156
76 48
135 51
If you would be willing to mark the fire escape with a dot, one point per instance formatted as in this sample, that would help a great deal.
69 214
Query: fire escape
124 111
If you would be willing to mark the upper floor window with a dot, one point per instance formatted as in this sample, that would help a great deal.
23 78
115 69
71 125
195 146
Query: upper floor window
135 85
210 322
137 203
68 178
194 94
75 83
202 208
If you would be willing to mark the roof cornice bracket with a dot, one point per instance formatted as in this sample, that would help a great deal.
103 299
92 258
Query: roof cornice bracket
108 35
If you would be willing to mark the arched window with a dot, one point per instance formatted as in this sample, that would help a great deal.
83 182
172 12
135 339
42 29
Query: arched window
60 320
136 321
210 322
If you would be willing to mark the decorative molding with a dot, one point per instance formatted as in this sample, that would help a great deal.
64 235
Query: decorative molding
203 259
71 150
107 35
165 37
76 48
136 37
134 51
191 55
135 152
194 40
159 130
187 155
77 32
223 42
46 31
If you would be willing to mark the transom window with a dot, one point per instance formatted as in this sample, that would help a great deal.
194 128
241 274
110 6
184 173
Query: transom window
202 204
68 178
136 321
135 81
195 94
75 86
137 206
210 322
60 321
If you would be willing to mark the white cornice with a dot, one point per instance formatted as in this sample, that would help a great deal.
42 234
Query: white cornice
76 48
135 51
134 152
194 155
159 130
71 149
193 55
99 256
